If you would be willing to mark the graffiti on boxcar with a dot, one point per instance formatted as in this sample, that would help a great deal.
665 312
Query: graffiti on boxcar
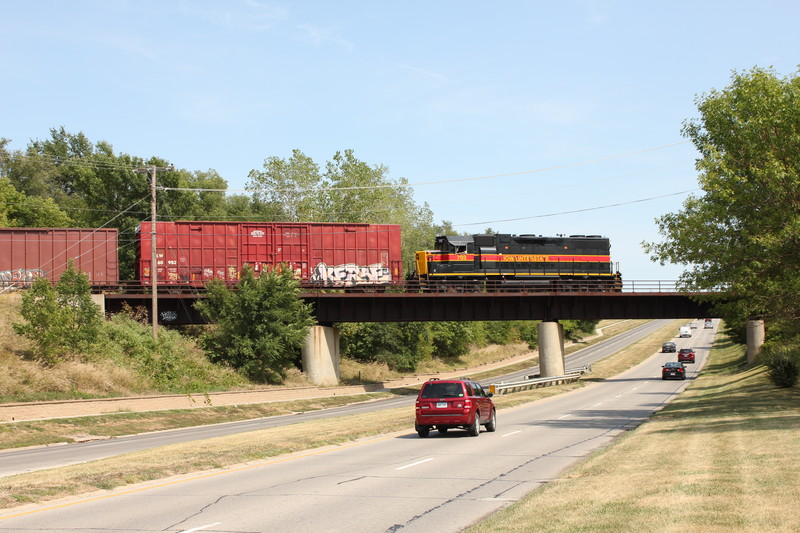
350 274
19 277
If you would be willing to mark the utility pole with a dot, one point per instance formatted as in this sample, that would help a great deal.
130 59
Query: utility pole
153 255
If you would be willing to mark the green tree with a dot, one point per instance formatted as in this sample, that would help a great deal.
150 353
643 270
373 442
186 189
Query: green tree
62 320
20 210
292 186
259 325
742 233
349 190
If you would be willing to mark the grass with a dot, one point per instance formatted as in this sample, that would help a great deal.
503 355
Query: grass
46 432
220 452
720 457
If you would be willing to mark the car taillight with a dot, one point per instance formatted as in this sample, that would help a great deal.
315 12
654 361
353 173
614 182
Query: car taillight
467 405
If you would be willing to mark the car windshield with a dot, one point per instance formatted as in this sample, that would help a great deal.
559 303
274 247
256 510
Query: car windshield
672 365
443 390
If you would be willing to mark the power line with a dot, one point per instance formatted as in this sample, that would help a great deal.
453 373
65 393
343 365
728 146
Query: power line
438 182
579 210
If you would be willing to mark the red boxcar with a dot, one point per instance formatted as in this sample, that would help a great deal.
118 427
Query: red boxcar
30 253
321 254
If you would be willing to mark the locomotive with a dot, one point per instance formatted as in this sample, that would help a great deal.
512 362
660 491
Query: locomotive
322 255
518 262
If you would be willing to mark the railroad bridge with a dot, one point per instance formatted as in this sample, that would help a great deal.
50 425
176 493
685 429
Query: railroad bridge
321 354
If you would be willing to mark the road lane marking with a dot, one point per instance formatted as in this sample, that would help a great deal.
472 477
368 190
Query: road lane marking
201 527
414 464
513 433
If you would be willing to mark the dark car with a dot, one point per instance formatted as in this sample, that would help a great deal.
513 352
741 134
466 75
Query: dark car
443 404
686 355
668 347
673 370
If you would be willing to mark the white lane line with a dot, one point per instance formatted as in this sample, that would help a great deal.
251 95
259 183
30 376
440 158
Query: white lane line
513 433
201 527
563 416
414 464
599 403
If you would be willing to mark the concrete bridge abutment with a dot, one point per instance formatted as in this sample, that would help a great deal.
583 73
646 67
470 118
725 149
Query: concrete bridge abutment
754 338
320 356
551 349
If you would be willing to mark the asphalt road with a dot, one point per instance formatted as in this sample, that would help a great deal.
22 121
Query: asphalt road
17 461
392 483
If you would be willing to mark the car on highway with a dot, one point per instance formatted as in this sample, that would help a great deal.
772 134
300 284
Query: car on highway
443 404
708 325
686 355
673 370
669 347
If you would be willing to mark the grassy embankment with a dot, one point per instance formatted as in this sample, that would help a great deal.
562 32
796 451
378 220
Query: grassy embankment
45 432
255 446
723 456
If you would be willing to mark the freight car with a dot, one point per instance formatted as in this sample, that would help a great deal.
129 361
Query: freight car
517 262
338 255
30 253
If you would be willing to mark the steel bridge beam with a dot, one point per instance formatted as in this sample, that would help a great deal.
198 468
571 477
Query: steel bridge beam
330 308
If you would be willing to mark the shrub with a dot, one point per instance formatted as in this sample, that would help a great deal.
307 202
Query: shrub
782 362
259 326
400 345
60 320
171 363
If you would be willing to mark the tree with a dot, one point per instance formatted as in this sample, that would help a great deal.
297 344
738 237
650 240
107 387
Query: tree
61 320
19 210
259 325
292 186
743 232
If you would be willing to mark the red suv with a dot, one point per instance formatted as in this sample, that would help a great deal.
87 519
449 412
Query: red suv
686 355
454 403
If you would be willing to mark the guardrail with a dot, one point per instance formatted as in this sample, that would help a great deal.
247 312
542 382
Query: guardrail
533 382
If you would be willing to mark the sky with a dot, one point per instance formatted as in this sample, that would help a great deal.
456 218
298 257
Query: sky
526 117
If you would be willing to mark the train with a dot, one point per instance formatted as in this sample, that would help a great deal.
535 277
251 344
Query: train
508 262
322 256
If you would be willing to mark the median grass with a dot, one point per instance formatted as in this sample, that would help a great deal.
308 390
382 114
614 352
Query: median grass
260 445
720 457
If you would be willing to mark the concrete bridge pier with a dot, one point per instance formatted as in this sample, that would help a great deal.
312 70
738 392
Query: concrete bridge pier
754 338
320 356
551 349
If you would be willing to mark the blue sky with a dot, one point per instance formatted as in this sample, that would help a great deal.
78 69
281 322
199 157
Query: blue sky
571 112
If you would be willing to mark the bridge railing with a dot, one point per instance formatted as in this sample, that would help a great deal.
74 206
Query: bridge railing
440 286
534 382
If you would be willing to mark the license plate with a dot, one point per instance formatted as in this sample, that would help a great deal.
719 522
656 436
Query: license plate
441 405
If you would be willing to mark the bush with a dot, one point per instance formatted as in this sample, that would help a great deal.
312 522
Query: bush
62 320
529 333
259 326
782 362
400 345
171 363
451 339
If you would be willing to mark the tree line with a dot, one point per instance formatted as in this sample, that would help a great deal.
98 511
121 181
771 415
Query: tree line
67 180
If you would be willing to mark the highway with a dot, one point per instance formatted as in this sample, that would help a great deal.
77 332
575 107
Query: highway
16 461
391 483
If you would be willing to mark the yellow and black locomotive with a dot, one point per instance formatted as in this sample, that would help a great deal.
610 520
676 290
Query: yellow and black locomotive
518 262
